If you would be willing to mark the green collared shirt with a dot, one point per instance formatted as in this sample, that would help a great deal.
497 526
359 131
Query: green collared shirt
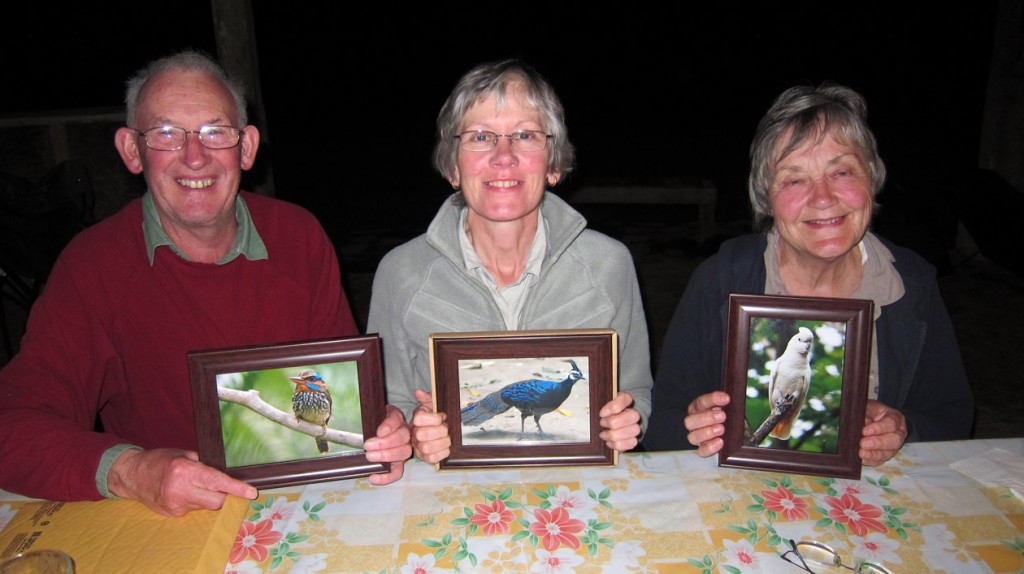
247 241
103 471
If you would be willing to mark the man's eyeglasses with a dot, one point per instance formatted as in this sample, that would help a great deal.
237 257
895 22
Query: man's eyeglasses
810 554
523 140
170 138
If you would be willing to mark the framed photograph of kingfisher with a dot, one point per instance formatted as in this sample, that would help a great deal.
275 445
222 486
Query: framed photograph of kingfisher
524 398
287 414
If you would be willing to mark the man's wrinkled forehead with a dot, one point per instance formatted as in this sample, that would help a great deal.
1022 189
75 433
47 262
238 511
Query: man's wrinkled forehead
173 92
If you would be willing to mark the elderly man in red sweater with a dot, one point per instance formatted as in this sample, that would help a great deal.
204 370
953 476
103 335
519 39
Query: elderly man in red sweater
193 264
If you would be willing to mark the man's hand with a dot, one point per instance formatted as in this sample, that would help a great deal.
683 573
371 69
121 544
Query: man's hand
430 439
390 445
621 423
885 431
172 482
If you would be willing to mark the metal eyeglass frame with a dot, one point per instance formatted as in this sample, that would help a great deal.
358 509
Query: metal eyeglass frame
200 135
512 139
837 561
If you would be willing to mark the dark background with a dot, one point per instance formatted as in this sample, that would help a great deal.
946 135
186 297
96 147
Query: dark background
652 93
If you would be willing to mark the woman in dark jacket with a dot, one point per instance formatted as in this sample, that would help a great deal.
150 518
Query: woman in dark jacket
814 176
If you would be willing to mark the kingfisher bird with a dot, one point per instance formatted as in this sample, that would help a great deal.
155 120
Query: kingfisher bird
533 397
312 403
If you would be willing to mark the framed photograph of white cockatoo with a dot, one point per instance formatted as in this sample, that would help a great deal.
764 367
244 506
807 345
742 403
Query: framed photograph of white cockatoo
797 370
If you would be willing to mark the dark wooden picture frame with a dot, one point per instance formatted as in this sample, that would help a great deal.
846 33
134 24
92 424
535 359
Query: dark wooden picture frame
246 423
477 364
804 355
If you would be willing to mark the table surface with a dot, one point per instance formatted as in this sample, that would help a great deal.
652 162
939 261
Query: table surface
668 512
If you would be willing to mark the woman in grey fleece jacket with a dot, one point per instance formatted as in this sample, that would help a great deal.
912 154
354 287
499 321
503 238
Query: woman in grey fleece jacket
504 254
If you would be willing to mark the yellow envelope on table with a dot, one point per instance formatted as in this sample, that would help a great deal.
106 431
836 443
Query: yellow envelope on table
111 536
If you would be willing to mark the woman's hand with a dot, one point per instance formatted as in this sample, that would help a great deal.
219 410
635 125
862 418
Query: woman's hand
885 431
392 445
430 439
621 423
705 422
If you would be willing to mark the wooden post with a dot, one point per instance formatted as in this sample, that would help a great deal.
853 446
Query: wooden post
235 35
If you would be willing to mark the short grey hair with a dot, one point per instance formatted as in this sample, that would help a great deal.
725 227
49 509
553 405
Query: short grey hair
188 61
499 78
804 113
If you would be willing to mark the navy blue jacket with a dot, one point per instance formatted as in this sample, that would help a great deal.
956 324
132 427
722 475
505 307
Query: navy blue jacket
920 369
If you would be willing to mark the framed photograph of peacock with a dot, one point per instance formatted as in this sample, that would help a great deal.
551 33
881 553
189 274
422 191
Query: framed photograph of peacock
797 373
524 398
294 413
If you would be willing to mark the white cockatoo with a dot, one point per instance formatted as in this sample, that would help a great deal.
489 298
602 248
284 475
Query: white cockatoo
791 377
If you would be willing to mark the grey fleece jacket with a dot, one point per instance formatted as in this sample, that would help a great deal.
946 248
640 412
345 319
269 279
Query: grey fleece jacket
588 280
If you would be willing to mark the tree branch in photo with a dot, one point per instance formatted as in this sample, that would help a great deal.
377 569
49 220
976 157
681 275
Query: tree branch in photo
252 401
770 422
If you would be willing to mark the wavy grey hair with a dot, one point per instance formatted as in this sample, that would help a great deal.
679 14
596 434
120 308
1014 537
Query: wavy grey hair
500 78
804 113
189 61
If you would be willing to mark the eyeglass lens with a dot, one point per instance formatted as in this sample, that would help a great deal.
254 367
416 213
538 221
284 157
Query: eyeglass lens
822 556
483 140
170 138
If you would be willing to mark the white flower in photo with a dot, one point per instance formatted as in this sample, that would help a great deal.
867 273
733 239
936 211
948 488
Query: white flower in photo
829 336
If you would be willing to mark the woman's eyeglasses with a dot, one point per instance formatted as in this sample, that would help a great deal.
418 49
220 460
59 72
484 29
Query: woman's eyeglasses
484 140
810 554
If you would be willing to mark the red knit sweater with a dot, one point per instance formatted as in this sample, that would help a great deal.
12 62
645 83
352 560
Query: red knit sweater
110 332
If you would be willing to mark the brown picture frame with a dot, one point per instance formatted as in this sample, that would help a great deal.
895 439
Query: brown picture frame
246 424
766 377
481 363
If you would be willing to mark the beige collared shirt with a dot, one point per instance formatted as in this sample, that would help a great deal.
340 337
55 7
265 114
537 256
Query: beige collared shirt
510 298
880 282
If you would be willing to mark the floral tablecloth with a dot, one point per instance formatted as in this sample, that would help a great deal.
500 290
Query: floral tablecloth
653 513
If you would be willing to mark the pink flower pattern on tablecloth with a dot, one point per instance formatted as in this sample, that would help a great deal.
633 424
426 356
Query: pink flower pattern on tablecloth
551 528
876 547
493 518
577 503
741 556
253 541
416 564
279 510
555 528
782 501
561 561
856 515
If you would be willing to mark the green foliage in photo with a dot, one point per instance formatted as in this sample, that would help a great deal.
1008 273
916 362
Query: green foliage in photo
817 429
250 438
